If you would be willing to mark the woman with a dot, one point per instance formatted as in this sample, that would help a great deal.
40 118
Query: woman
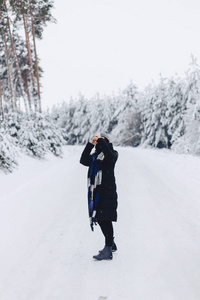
102 195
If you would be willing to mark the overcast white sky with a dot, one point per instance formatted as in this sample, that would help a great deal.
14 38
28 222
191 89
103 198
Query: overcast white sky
100 45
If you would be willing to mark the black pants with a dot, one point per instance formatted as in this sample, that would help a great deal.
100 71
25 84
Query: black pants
107 229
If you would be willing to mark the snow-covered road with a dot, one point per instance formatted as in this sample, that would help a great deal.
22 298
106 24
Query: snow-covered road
46 245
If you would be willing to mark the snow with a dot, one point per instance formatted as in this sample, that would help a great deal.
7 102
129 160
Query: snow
46 245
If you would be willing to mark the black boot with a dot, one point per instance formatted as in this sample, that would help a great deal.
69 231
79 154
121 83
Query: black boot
106 254
113 248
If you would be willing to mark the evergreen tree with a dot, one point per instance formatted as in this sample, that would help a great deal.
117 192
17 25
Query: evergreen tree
127 131
30 138
35 15
176 109
8 154
190 140
156 116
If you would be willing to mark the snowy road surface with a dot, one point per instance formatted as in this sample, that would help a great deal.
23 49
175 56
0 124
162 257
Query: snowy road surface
46 245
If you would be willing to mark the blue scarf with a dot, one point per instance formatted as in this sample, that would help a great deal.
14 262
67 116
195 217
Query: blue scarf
94 185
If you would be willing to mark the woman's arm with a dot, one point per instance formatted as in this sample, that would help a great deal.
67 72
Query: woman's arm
85 157
110 154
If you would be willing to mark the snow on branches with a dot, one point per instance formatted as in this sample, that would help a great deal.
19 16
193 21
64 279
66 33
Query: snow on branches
166 115
35 136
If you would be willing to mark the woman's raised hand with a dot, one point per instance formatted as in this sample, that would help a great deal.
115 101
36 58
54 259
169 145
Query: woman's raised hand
94 140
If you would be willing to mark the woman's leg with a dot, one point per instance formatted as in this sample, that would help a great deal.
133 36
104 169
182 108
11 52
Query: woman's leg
107 229
106 252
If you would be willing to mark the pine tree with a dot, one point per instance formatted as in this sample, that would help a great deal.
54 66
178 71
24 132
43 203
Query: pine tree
3 33
176 109
23 94
8 154
127 130
1 99
35 15
29 138
155 116
190 142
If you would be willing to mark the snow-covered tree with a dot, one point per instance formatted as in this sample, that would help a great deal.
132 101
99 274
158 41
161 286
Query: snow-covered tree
52 135
12 123
189 142
39 134
8 153
128 115
29 139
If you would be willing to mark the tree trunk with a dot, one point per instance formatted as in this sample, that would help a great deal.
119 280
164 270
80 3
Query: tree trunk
30 62
26 87
36 63
13 105
17 64
1 100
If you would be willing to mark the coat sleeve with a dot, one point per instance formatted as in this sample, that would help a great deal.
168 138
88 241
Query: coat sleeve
85 157
111 155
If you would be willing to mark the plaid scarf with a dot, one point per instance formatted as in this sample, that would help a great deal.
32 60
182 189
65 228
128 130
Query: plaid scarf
94 185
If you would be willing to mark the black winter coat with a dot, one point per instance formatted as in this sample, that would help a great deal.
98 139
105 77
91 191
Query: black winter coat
107 208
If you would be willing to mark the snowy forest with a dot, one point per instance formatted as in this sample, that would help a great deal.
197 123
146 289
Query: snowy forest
22 124
163 115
